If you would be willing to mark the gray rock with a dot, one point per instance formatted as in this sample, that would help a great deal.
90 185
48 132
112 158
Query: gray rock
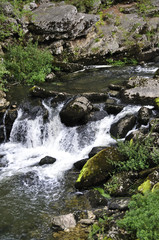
95 150
142 90
144 115
95 97
61 22
121 128
119 203
76 112
47 160
79 164
63 222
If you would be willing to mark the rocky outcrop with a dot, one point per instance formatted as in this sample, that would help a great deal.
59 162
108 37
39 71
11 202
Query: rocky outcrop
60 22
76 112
141 90
98 168
121 128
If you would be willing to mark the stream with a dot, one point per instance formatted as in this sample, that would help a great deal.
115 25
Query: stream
31 194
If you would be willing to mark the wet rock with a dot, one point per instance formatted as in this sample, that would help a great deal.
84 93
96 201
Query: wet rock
96 97
142 90
2 137
96 199
120 184
76 112
79 164
47 160
113 108
137 134
68 67
98 168
63 222
98 115
60 22
95 150
33 109
114 93
43 93
121 128
144 115
119 203
115 87
11 116
156 75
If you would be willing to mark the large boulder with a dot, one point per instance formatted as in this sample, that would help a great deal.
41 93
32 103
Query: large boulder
141 90
98 168
60 22
120 129
76 112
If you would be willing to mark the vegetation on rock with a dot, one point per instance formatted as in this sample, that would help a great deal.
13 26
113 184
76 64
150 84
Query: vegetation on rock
143 216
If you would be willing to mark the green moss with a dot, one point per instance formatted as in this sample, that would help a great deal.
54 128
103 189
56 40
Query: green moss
98 167
157 101
155 187
145 187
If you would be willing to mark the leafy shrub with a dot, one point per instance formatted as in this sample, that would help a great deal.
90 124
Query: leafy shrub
142 219
28 64
139 154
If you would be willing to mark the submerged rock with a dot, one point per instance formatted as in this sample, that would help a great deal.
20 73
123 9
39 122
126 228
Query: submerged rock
76 112
98 168
121 128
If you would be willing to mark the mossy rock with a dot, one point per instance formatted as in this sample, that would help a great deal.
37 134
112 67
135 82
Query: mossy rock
155 187
98 168
145 186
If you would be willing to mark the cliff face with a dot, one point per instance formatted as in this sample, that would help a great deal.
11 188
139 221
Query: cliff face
121 31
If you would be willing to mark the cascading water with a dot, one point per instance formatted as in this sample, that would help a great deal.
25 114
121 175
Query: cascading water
33 139
30 193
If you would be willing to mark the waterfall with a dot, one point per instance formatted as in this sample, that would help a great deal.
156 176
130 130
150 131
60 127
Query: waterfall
33 139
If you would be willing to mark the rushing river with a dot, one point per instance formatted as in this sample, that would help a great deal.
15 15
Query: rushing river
30 194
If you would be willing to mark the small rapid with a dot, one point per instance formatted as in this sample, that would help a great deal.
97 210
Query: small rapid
30 193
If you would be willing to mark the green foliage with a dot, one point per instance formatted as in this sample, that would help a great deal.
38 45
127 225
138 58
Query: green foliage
82 5
144 6
3 73
122 62
102 192
98 229
28 64
9 26
142 219
138 153
112 186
